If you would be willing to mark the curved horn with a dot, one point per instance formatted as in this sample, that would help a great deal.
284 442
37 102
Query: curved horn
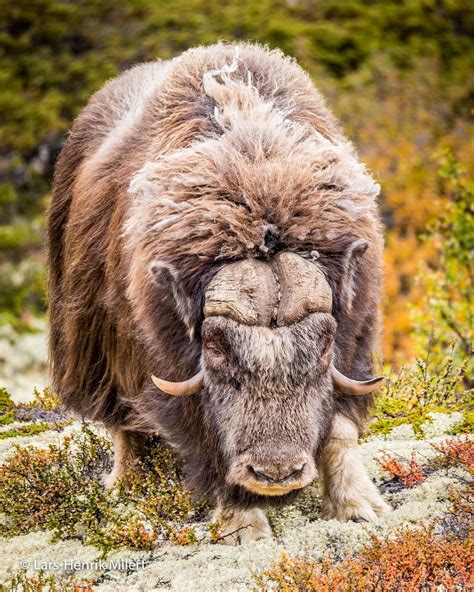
303 288
180 389
348 386
245 291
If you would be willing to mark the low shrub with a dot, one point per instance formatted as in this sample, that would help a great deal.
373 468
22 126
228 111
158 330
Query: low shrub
21 582
408 473
60 489
436 556
454 452
41 414
427 386
411 561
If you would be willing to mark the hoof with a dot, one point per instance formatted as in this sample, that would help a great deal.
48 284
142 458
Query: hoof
367 506
239 527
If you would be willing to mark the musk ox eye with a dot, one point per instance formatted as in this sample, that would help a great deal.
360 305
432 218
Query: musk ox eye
214 350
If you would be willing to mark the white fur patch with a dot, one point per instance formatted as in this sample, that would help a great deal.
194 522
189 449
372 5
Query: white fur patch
242 526
349 493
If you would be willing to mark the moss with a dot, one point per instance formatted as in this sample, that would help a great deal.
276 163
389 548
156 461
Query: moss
7 418
392 407
466 426
384 425
30 429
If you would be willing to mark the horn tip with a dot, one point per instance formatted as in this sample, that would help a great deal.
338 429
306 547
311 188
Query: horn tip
378 380
156 381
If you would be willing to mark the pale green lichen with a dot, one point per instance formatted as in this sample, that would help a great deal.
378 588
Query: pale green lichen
404 431
40 441
298 528
439 424
23 359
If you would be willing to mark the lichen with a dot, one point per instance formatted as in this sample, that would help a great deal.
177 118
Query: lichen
208 567
438 424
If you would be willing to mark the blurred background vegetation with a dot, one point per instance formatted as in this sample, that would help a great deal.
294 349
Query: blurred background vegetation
398 73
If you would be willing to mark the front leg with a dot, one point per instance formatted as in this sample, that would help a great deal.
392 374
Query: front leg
239 526
128 449
349 493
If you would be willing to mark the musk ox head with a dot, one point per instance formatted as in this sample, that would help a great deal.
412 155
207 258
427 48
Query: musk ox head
267 378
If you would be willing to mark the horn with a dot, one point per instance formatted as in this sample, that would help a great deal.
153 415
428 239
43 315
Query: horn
180 389
245 291
303 287
348 386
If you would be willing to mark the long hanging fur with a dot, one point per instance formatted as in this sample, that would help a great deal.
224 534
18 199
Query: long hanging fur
223 153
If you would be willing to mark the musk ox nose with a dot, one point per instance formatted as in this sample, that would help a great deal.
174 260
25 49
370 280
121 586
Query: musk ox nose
275 475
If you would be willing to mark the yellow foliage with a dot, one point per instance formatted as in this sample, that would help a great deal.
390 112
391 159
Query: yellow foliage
400 123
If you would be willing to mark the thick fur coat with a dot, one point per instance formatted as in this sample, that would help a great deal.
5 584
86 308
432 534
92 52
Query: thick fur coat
171 171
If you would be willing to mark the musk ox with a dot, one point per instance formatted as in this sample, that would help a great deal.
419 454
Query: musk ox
210 225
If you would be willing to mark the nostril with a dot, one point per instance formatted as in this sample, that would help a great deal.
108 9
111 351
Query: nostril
296 472
276 476
260 473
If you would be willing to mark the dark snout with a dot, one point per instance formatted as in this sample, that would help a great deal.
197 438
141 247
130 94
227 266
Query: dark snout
278 474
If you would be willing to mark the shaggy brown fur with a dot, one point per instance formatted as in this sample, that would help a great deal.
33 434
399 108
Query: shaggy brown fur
171 171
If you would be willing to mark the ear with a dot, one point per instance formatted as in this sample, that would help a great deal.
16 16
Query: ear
350 265
326 357
166 277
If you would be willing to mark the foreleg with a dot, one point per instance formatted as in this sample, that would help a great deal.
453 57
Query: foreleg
349 493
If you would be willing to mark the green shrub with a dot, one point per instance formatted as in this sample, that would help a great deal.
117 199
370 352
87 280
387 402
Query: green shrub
427 386
7 407
60 489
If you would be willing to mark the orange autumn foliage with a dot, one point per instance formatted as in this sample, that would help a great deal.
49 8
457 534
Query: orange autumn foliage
409 473
438 556
455 451
412 561
401 142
